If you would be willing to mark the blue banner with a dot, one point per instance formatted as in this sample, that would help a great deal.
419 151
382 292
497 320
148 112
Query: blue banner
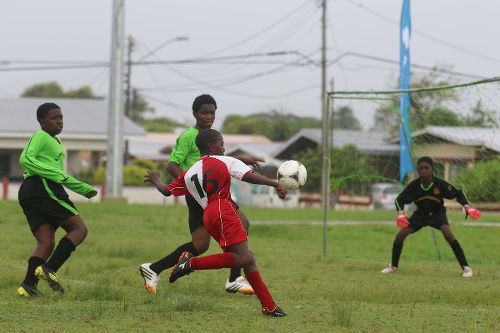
405 159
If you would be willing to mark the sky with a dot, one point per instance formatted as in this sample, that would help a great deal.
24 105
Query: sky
251 56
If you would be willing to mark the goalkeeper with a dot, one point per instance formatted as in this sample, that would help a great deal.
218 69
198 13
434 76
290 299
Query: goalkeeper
428 192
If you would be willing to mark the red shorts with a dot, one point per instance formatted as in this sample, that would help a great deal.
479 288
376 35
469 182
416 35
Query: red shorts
223 224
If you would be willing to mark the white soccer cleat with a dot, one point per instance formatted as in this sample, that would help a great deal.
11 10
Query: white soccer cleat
389 269
240 286
150 278
467 272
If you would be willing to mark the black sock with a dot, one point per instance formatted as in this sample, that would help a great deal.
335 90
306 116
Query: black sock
173 258
459 253
235 273
396 253
33 263
61 254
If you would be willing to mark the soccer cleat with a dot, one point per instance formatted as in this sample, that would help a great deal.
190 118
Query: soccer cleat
240 286
389 269
277 312
150 277
183 267
467 271
27 290
43 272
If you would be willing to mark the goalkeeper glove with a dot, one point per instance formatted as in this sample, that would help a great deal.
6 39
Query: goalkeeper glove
472 212
402 220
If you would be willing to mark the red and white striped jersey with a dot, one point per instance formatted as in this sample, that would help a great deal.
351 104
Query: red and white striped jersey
209 179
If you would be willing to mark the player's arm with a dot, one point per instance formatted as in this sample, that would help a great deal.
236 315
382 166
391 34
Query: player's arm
153 177
33 165
451 192
251 160
255 178
405 197
174 169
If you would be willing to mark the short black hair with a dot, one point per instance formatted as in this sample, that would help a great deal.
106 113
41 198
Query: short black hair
43 109
203 99
206 136
426 159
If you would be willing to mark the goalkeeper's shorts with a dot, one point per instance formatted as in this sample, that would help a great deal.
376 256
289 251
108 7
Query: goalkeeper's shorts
417 221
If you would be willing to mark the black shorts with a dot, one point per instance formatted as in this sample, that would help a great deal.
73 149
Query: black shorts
45 202
196 213
436 220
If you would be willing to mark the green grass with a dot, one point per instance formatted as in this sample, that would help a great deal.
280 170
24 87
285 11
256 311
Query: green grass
343 292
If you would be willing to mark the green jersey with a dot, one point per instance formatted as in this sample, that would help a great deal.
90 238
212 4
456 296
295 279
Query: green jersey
44 156
185 152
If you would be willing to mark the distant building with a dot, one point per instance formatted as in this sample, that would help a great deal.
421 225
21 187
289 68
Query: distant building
84 134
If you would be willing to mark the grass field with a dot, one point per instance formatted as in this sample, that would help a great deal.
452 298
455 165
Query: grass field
343 292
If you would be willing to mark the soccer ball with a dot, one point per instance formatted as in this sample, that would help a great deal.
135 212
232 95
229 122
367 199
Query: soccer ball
292 174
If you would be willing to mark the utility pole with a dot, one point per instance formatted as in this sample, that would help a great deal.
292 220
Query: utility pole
325 169
114 163
332 112
130 48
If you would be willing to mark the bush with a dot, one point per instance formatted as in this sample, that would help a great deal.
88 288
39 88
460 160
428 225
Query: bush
132 174
482 182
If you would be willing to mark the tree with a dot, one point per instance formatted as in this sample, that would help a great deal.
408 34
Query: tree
275 125
54 90
481 118
50 89
138 107
344 118
161 124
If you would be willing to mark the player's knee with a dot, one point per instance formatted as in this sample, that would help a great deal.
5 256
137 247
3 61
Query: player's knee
201 247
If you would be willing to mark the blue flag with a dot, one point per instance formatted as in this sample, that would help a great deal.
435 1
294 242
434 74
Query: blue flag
405 160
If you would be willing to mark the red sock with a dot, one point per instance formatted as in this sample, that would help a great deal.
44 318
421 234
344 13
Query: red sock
216 261
260 289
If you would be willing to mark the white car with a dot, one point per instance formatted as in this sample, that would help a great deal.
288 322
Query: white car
384 195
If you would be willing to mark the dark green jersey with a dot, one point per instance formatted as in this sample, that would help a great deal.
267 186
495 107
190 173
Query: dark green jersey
44 156
429 200
185 152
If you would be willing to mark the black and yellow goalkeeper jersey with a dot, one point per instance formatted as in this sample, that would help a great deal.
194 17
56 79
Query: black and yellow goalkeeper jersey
44 156
429 200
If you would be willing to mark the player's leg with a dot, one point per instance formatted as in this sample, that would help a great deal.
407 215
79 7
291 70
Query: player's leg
237 283
397 248
44 235
457 250
200 241
76 232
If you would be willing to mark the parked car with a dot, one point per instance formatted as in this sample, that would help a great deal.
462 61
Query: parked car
266 196
384 195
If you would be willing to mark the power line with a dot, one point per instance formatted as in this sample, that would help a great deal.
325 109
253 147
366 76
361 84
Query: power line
456 47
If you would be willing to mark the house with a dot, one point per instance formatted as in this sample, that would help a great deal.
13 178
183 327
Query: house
455 148
84 134
370 143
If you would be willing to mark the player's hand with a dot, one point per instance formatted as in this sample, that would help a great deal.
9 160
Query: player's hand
91 194
402 220
252 160
472 212
281 191
152 177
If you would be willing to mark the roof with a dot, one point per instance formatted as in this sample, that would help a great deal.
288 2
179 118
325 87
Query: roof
467 136
368 142
82 117
154 146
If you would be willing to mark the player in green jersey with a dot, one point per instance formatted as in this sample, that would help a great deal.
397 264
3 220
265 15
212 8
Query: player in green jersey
185 154
46 204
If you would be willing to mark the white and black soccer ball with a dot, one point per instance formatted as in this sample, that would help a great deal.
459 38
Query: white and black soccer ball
292 174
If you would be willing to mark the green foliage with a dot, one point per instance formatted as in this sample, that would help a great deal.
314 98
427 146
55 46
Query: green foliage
344 118
161 124
275 125
349 170
133 175
138 107
53 89
482 182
